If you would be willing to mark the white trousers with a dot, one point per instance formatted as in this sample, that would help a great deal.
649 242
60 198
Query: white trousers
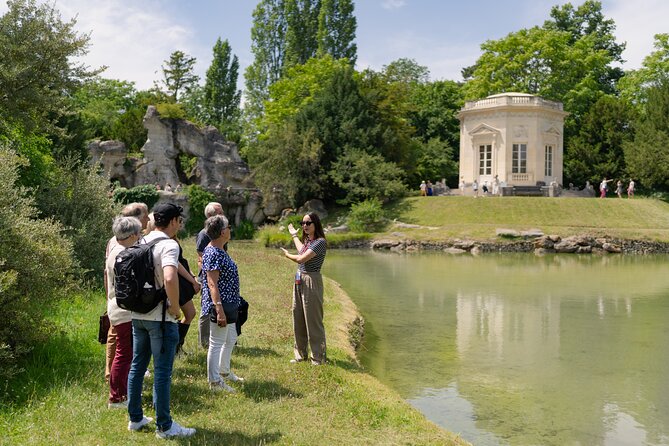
221 343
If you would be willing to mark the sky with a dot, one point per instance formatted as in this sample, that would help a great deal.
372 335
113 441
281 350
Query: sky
133 38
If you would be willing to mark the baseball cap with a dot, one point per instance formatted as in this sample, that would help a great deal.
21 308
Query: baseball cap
163 213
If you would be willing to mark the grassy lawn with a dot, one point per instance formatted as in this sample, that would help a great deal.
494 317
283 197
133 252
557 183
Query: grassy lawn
61 397
462 217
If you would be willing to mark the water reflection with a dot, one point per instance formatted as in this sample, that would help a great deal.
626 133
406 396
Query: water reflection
517 349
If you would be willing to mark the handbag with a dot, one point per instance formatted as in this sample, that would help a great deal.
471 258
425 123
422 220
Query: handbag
103 330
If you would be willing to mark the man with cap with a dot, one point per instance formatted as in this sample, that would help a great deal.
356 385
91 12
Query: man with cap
152 336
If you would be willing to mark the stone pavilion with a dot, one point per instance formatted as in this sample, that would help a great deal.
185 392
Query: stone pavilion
516 137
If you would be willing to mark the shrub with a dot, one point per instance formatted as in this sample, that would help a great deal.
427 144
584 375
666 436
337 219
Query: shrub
171 111
244 230
76 196
145 193
366 216
198 198
35 266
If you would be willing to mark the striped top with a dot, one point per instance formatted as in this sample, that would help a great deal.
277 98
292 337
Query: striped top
314 265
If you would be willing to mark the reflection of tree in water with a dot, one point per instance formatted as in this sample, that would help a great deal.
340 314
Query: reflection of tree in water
548 350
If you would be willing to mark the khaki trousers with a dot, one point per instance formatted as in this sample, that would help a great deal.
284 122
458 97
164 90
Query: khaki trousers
110 351
308 318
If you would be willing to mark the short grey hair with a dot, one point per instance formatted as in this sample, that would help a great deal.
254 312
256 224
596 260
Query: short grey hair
214 226
135 210
124 227
211 209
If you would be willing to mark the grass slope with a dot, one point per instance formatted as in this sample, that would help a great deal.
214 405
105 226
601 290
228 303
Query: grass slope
61 397
451 217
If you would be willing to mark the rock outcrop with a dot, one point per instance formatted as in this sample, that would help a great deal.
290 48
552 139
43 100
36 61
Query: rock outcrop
217 166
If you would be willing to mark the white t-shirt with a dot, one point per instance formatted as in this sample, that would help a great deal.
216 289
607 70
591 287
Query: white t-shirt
165 253
117 315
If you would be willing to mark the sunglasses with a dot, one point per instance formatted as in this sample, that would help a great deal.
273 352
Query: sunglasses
306 223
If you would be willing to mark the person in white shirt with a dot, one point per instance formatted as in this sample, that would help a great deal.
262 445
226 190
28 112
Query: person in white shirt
154 337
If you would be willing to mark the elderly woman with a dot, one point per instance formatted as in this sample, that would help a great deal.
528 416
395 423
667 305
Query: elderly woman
308 289
220 293
127 231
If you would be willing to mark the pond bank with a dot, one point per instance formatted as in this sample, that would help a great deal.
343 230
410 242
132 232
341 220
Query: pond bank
539 244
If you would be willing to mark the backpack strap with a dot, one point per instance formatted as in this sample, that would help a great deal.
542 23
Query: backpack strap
151 244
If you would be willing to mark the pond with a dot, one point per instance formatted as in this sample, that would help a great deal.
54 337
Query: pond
516 349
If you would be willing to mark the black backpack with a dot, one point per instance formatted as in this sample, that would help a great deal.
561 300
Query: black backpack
134 278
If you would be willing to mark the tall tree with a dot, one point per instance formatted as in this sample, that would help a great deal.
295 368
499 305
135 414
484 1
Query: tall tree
647 156
221 96
406 71
588 21
178 74
596 151
635 84
100 104
301 31
37 68
268 45
336 30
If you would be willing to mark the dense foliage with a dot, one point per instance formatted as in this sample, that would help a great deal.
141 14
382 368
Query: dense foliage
36 262
198 199
145 193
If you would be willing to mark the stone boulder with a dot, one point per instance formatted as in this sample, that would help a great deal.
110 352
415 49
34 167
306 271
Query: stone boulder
315 206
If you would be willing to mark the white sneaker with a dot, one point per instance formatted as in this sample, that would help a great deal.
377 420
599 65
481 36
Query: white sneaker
147 373
118 405
233 378
221 386
176 430
137 425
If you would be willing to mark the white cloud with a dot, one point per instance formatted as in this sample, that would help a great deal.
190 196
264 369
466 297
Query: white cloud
636 23
393 4
133 40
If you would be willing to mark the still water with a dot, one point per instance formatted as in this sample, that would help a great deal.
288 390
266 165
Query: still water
520 350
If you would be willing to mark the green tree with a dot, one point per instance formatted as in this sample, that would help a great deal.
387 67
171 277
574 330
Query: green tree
178 74
363 176
221 97
435 160
647 156
336 30
434 112
100 104
635 84
287 163
37 68
588 22
406 71
596 151
301 31
268 45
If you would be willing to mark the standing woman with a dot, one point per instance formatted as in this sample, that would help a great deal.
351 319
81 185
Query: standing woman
308 290
220 297
127 231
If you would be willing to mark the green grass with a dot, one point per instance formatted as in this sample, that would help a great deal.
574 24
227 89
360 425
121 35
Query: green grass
61 397
466 217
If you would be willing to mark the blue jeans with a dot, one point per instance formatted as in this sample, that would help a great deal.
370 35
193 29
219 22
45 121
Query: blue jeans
148 339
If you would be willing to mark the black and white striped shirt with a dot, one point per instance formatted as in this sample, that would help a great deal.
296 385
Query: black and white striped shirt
314 265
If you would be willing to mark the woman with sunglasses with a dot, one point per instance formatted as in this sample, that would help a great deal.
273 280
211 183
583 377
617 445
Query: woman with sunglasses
308 290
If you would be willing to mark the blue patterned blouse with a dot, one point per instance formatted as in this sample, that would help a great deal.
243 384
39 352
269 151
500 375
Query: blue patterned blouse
228 279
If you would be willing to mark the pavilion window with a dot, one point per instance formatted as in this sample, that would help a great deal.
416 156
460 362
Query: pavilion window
485 159
548 161
519 158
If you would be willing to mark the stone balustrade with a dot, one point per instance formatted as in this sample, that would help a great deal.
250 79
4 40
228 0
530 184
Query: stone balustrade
521 100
